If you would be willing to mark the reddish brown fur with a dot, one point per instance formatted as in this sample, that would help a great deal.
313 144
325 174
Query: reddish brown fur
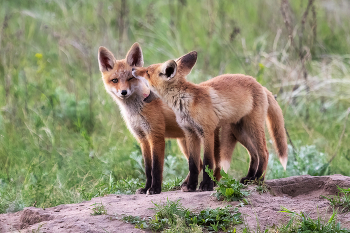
159 119
233 99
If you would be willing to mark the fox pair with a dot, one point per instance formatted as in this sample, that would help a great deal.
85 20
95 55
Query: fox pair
158 102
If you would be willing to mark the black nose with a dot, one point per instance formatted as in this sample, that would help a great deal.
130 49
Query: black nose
124 92
133 69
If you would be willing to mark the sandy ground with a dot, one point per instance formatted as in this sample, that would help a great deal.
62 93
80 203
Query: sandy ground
299 193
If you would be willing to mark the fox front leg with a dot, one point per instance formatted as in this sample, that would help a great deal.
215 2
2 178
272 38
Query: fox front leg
147 157
194 161
208 184
158 150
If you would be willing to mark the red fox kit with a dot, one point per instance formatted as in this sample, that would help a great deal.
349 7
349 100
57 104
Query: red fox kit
237 101
147 117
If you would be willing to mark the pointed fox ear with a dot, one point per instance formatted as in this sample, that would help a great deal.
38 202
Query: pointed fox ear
134 57
169 68
106 59
186 62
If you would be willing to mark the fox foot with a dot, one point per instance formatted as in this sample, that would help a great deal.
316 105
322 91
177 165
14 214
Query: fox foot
186 187
153 190
141 191
206 186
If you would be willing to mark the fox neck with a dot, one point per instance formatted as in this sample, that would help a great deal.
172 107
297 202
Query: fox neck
176 95
132 105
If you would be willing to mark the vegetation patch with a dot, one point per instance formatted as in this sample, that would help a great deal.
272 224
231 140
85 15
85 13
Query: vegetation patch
342 200
301 222
173 217
227 189
99 209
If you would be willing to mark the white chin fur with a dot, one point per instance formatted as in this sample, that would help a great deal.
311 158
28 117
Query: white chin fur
120 96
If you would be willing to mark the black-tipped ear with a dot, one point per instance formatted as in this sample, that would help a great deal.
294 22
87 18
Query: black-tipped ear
169 68
106 59
186 62
134 57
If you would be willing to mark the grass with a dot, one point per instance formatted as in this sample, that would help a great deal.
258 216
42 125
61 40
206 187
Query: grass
98 209
62 138
173 217
261 186
301 222
227 189
341 201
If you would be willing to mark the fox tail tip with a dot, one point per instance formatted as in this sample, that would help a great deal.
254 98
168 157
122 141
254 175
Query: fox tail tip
284 161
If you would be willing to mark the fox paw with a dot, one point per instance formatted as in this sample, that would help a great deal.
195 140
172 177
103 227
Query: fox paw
207 186
141 191
185 187
152 191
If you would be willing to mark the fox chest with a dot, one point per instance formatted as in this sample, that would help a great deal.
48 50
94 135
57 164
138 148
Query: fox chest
188 124
138 125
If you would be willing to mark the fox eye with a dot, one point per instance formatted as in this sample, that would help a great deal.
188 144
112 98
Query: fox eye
130 78
115 80
147 72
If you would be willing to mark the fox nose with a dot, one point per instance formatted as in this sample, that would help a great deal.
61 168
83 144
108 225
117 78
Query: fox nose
124 92
133 69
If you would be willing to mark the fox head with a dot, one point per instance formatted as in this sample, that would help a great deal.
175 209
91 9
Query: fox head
117 76
162 75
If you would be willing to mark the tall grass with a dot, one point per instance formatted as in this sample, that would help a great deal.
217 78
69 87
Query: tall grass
60 133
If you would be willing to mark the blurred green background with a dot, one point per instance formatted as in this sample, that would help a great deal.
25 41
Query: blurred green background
62 139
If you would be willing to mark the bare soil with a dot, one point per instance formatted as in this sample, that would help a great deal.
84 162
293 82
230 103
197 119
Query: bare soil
299 193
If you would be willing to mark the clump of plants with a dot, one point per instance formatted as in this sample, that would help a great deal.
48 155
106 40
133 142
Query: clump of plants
172 184
301 222
173 217
99 209
227 189
342 200
218 219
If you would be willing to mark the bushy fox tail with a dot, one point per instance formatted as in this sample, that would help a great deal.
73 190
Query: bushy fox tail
275 125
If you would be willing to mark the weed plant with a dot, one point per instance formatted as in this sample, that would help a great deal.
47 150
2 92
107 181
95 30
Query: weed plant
98 209
227 189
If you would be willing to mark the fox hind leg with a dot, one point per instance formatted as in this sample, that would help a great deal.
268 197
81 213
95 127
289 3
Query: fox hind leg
255 133
263 154
244 136
227 145
217 156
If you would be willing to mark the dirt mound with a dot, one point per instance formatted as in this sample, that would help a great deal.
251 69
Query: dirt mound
30 217
300 193
311 185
